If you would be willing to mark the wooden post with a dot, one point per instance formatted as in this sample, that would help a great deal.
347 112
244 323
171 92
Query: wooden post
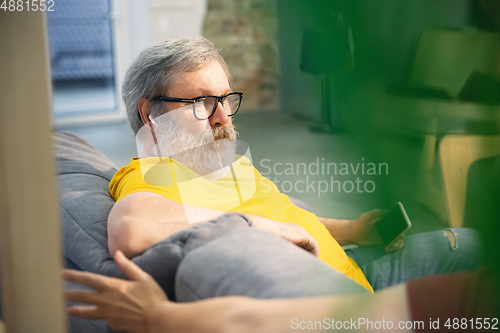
30 242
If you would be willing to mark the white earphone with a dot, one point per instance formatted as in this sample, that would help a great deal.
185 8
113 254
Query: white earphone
152 120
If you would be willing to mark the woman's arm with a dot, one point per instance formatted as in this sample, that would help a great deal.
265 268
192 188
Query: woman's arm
246 315
139 305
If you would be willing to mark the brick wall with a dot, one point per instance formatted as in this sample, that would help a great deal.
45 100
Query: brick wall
246 32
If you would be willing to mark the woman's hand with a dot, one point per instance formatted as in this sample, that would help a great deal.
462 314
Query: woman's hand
125 305
364 233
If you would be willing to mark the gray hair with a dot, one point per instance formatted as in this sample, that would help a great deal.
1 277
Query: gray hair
155 69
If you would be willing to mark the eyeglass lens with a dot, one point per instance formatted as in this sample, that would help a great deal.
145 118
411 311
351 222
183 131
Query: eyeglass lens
205 107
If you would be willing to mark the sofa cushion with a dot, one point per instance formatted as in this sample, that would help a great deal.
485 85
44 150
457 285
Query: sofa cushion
83 175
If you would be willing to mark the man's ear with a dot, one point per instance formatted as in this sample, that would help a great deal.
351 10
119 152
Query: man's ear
143 107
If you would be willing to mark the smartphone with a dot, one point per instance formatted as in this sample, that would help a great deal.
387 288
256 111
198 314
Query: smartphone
393 224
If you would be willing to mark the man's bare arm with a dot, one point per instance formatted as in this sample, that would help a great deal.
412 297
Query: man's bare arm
339 229
142 219
360 231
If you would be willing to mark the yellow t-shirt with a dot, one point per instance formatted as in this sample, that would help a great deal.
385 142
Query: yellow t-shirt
243 190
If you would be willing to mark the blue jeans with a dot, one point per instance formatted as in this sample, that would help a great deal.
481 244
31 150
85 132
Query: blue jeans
422 255
229 256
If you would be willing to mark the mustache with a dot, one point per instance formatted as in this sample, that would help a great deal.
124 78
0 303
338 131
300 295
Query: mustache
224 132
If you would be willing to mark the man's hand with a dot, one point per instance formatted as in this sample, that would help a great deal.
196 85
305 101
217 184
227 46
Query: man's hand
364 233
291 232
125 305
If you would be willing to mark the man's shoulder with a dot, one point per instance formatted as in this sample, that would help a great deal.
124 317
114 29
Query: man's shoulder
141 174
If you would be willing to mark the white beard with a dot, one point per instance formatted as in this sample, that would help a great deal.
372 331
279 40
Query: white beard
210 154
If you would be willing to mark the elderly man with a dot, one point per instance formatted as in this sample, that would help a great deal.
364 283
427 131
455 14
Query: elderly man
180 104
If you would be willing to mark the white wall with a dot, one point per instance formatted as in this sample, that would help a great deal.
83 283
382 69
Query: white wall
175 18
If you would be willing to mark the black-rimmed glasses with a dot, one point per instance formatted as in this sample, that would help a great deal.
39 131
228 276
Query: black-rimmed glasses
204 106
